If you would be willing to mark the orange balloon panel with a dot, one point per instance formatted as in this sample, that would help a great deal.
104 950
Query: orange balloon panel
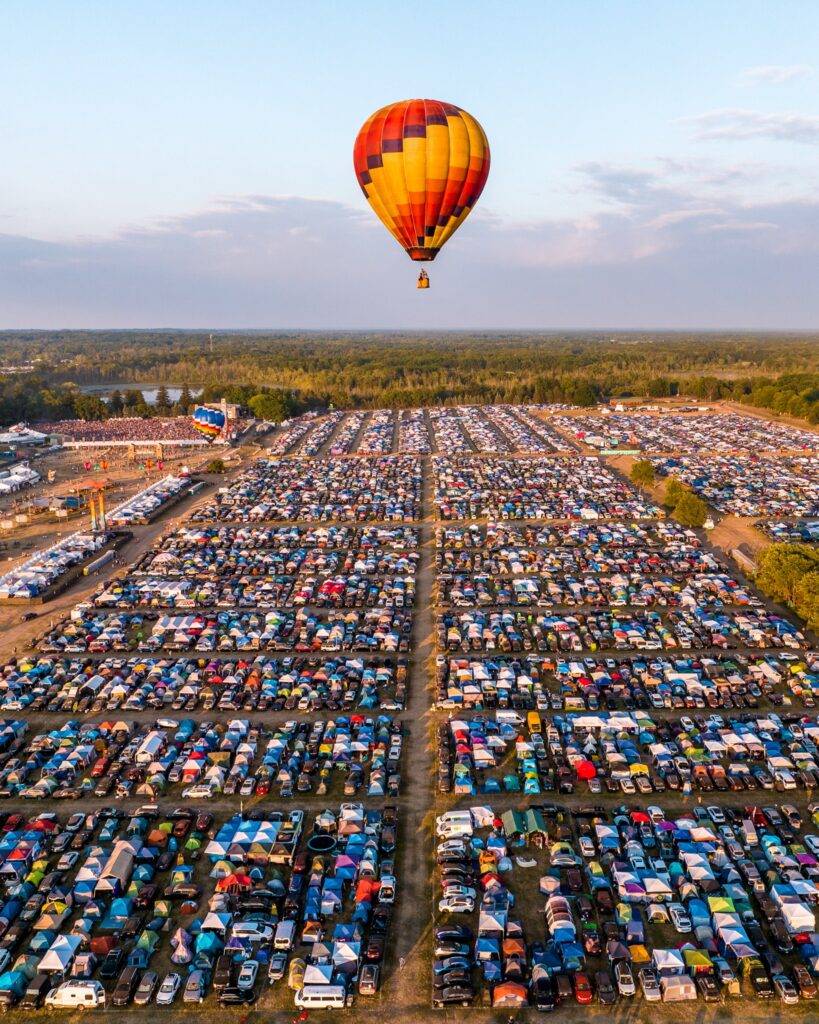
422 165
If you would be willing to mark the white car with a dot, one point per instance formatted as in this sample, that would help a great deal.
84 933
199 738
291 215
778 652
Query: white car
466 891
679 918
624 979
386 890
586 845
650 984
456 905
198 792
656 813
451 846
247 975
168 989
251 931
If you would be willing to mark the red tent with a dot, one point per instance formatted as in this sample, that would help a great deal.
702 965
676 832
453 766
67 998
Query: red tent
234 883
585 770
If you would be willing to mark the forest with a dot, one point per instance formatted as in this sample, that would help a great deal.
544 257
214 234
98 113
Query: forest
281 373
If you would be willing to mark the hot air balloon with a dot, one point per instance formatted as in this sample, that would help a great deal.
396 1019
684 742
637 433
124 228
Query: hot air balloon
422 165
208 422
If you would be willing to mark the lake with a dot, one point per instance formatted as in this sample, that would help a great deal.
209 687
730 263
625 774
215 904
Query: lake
149 391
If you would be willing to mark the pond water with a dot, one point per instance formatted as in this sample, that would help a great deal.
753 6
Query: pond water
149 391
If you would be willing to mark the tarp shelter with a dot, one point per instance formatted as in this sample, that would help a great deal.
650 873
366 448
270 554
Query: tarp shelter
60 955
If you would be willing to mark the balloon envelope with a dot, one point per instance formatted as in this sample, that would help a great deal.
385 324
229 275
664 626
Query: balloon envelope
422 164
208 422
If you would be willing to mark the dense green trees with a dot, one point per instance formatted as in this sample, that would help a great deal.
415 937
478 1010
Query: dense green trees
690 510
642 473
789 573
779 372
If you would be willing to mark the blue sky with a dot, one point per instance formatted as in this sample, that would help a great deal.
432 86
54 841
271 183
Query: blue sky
189 164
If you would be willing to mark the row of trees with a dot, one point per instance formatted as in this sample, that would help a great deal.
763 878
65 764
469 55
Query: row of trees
789 573
30 399
369 370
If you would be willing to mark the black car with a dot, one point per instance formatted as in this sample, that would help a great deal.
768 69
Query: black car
234 996
112 964
126 986
455 995
223 975
606 992
708 988
454 933
543 990
38 988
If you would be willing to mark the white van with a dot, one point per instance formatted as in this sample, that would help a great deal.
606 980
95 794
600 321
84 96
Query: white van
319 997
454 829
76 995
749 832
454 825
285 935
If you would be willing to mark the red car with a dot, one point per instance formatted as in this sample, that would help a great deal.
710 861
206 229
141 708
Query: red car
582 989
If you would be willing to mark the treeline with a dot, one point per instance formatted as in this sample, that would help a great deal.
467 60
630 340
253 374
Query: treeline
779 372
28 398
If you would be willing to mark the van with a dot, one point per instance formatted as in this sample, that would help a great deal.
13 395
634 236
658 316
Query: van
749 832
319 997
534 723
454 825
285 935
76 995
38 988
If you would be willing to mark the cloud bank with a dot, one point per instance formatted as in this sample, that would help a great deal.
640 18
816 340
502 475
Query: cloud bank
775 74
737 124
670 247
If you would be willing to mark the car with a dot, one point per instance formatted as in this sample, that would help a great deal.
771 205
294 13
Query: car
247 974
276 967
454 933
368 979
235 996
624 979
708 988
582 989
543 990
804 982
375 948
194 991
456 905
223 974
455 995
679 918
112 964
125 986
606 992
168 989
650 984
145 988
785 989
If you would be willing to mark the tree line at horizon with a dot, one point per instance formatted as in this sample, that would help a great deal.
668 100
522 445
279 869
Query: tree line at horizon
278 375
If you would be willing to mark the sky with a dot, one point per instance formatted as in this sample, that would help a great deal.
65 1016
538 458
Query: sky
654 164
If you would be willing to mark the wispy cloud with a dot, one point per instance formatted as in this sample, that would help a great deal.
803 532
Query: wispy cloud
775 74
665 248
735 123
